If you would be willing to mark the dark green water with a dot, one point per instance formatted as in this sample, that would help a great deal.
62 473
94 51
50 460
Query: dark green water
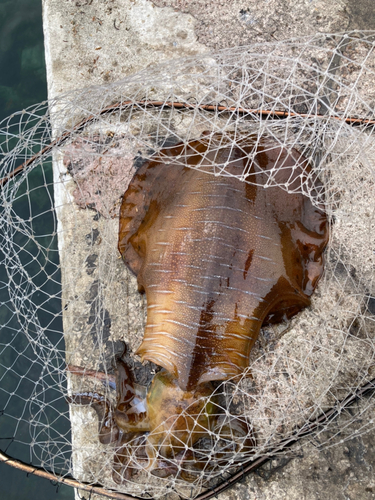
22 83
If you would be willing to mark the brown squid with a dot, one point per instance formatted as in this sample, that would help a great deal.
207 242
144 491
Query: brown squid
217 258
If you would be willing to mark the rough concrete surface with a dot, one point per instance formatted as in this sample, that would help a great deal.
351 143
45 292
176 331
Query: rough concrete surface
92 42
226 23
96 41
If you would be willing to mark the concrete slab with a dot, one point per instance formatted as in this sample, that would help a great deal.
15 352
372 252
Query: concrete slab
91 42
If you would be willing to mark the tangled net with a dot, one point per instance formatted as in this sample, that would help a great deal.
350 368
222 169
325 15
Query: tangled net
68 301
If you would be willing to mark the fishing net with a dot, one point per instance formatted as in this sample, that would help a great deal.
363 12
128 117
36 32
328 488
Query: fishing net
68 302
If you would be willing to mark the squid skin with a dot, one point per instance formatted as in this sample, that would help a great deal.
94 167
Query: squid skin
217 258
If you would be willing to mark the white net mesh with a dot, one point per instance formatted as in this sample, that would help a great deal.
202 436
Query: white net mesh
68 301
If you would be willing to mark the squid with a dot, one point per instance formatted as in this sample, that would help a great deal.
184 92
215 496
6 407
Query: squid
218 258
